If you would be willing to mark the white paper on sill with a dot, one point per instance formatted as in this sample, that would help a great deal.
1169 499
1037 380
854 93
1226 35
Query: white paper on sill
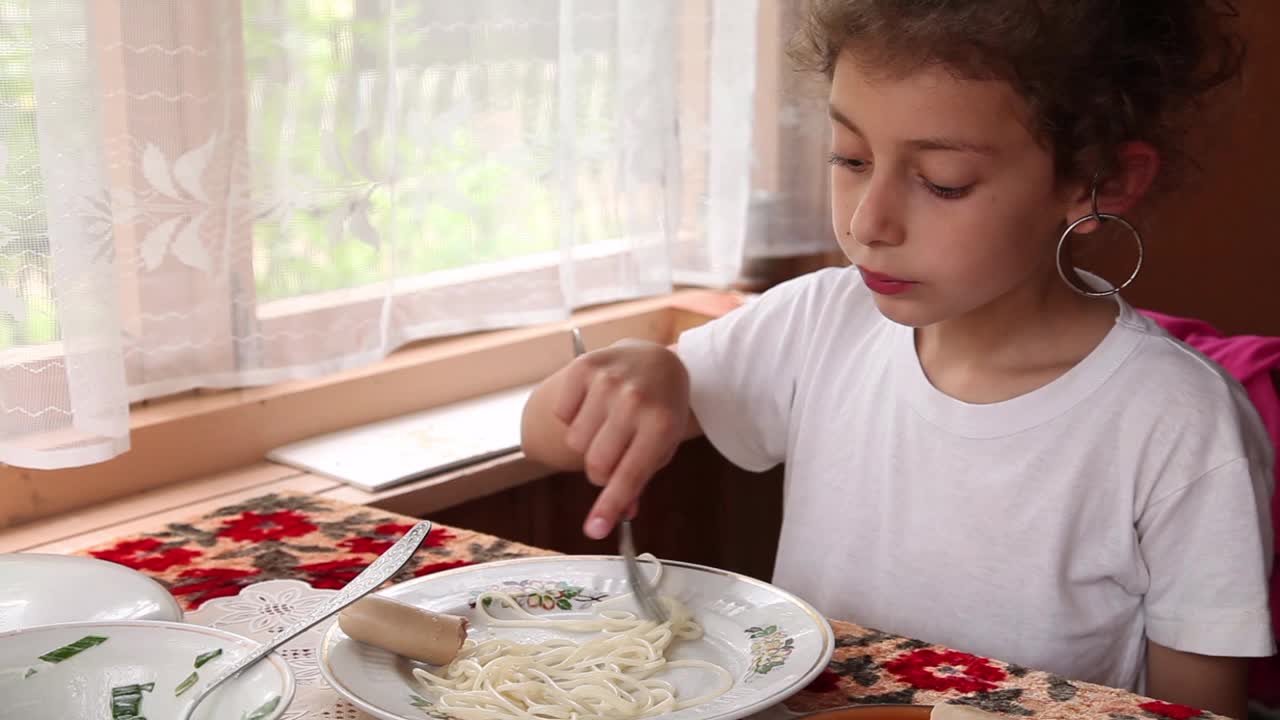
379 455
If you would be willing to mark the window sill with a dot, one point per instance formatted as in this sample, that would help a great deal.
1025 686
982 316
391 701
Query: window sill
175 467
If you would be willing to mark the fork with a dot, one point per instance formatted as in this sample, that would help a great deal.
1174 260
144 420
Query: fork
645 593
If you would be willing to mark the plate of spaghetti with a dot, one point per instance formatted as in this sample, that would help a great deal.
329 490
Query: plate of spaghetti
562 638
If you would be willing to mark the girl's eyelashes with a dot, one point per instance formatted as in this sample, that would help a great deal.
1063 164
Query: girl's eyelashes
846 162
945 192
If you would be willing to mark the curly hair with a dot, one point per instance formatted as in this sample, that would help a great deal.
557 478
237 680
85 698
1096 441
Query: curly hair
1095 73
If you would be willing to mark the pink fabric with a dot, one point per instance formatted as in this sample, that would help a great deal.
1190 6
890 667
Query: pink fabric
1255 362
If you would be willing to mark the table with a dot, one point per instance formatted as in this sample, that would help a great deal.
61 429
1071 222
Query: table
251 566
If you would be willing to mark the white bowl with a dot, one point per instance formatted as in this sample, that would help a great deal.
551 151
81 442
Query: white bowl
37 589
134 652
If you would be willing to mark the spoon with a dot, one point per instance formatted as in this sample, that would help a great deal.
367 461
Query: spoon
386 565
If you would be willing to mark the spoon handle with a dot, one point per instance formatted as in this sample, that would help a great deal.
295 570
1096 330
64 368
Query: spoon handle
382 569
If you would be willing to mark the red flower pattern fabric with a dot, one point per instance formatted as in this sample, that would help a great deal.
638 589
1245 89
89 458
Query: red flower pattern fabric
252 527
826 682
209 583
333 575
928 669
146 554
366 545
430 568
1171 710
325 543
386 535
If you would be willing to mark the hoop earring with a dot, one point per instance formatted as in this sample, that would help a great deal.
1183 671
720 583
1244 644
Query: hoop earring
1100 218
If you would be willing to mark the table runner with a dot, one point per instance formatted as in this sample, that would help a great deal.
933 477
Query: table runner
325 543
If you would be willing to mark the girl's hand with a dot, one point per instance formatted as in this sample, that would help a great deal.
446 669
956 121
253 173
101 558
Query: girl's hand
626 410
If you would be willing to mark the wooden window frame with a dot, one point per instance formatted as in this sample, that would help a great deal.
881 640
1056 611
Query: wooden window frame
197 436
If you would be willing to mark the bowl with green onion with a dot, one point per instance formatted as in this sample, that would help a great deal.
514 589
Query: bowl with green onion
135 670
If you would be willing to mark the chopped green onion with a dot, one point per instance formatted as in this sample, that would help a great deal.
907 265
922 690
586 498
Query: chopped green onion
264 711
126 701
75 648
185 685
206 657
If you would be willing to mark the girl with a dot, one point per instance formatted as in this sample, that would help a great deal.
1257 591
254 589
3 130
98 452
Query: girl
961 409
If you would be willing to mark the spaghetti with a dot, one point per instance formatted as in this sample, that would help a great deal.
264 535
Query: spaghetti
610 676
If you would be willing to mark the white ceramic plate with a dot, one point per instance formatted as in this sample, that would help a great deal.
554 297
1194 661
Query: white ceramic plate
133 653
38 589
770 641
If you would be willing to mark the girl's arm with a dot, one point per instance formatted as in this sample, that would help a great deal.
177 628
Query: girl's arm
1217 684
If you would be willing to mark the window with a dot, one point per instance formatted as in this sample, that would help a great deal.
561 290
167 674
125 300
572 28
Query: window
240 193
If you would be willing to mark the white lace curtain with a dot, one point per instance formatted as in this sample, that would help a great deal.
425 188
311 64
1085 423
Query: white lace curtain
225 193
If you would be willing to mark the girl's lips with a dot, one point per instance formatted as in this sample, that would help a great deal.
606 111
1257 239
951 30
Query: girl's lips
885 284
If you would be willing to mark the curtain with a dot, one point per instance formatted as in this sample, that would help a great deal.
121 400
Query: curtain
222 193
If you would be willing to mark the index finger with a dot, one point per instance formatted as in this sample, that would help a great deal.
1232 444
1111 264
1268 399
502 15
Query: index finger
616 498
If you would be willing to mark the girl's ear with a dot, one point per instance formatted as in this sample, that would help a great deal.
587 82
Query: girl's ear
1136 169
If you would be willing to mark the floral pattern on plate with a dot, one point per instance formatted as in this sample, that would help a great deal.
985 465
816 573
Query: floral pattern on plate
770 648
549 595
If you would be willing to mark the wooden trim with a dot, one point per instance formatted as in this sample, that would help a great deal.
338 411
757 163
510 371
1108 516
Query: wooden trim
707 305
134 524
76 529
61 528
202 434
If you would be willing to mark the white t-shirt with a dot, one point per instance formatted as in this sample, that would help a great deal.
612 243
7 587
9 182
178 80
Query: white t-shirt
1127 498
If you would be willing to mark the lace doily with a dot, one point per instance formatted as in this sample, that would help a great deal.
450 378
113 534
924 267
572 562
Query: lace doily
264 609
